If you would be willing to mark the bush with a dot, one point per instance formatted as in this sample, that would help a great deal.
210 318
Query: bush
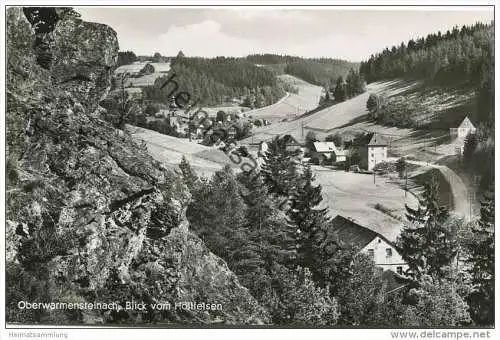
335 138
151 109
385 168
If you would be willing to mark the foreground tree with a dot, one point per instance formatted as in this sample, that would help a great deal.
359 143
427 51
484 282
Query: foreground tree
217 210
295 300
482 260
189 175
279 171
307 217
426 243
365 299
436 304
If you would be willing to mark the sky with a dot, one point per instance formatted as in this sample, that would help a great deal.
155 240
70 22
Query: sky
350 34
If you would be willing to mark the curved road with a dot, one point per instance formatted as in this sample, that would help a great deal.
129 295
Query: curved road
458 189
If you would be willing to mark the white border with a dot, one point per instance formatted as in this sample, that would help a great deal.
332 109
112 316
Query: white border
118 333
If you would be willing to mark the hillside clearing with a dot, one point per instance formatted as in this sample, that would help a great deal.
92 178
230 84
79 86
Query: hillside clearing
292 105
169 150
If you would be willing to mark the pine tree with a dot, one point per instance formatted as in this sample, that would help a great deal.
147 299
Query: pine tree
340 90
218 211
188 174
279 171
425 243
482 259
307 218
372 104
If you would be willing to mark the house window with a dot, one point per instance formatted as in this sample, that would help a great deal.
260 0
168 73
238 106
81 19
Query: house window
388 252
399 270
371 252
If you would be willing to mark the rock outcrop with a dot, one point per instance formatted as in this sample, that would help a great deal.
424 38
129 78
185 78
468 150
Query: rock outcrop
91 216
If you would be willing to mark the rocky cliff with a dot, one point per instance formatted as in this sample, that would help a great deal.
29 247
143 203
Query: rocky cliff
91 217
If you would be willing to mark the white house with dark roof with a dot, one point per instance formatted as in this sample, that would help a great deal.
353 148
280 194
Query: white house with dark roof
463 129
327 150
374 152
381 250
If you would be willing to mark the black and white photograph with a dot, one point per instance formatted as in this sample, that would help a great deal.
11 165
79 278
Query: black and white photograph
249 166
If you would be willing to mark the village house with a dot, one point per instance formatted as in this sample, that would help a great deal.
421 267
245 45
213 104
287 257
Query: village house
290 143
327 151
374 152
369 242
231 132
463 129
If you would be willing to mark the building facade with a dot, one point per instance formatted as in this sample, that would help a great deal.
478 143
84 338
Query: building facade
374 152
369 242
385 255
463 129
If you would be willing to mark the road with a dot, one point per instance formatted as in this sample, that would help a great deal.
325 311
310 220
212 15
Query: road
458 188
292 104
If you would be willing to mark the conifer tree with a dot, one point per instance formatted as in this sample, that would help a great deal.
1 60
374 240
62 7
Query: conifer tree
189 175
278 171
306 216
482 259
425 243
340 90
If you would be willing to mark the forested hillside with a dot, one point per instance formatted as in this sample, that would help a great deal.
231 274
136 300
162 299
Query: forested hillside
218 80
458 56
460 59
318 71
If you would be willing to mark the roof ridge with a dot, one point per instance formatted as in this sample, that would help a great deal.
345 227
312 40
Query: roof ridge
359 226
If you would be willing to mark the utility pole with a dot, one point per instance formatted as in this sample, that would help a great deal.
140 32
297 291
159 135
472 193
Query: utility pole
189 125
406 180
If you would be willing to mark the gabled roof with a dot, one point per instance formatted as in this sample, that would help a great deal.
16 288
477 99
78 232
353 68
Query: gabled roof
289 140
466 124
324 146
353 233
377 140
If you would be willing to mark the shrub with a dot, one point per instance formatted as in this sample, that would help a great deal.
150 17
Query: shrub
385 167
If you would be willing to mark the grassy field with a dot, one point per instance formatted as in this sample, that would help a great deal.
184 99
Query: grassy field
169 150
355 195
349 117
292 105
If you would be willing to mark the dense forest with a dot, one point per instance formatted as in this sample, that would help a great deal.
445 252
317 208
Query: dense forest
126 58
458 56
319 71
218 80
